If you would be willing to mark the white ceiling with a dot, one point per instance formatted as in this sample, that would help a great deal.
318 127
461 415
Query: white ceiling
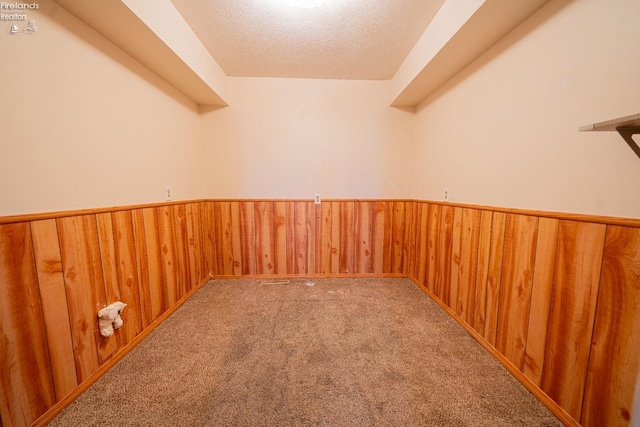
341 39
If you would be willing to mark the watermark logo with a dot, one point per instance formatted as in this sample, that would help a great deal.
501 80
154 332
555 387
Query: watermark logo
17 14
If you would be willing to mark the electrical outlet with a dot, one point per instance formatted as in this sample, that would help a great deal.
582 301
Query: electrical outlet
167 194
317 199
446 195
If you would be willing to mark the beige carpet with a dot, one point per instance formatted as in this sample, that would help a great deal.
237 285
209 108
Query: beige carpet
334 352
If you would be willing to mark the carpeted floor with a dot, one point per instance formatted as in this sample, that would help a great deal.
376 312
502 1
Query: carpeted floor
335 352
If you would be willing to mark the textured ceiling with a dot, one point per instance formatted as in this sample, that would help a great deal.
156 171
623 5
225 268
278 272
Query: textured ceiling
341 39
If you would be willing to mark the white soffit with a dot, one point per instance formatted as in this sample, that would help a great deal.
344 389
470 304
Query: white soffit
334 39
461 31
156 35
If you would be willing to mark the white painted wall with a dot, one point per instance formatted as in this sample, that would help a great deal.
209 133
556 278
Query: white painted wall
503 132
83 125
292 138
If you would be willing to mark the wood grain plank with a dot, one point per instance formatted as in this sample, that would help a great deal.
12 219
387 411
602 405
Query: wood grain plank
445 253
397 233
155 260
377 247
422 244
48 261
482 273
311 243
521 233
335 236
317 229
194 245
264 221
573 306
108 345
347 237
224 238
301 242
326 248
495 275
84 285
614 364
236 238
108 256
388 237
142 267
248 237
168 255
127 275
409 251
290 224
363 230
207 225
181 256
541 298
433 249
469 240
26 385
280 237
455 259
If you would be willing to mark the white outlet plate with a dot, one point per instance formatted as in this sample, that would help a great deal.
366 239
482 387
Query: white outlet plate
167 194
446 194
317 199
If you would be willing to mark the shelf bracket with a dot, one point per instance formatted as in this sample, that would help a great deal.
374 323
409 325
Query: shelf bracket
627 132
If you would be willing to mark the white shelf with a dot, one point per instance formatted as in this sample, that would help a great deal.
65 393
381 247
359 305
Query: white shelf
612 125
627 127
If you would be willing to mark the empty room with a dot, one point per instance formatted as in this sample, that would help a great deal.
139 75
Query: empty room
320 212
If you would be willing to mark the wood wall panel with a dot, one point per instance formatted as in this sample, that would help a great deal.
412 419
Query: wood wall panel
434 218
335 237
409 255
153 247
247 237
495 276
26 388
467 270
573 306
207 227
614 363
378 221
530 285
84 286
445 254
194 244
224 241
545 256
181 254
515 293
107 346
398 248
48 263
168 255
363 228
127 271
482 271
280 228
264 222
422 252
347 237
324 242
454 276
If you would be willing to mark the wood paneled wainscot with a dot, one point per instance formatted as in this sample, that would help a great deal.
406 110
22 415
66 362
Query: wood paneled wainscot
58 270
555 297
